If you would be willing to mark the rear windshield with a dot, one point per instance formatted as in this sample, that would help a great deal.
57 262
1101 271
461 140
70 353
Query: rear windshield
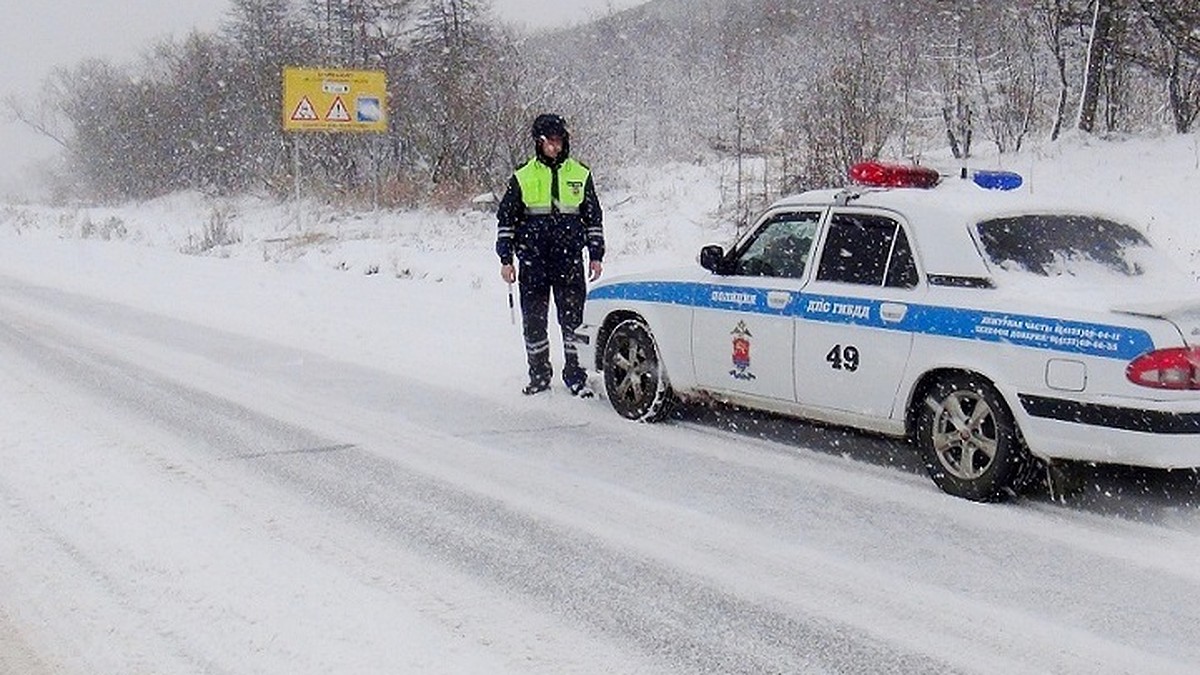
1055 245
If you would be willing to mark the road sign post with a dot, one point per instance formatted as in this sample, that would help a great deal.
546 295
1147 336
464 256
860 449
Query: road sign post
332 100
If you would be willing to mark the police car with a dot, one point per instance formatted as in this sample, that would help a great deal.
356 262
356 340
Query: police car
995 331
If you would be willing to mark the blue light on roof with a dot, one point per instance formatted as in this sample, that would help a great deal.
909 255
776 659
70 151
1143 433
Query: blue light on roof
997 180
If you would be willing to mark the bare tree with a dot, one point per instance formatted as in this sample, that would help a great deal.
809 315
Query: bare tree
1169 49
1055 19
957 107
99 147
1099 57
744 75
1183 87
1008 83
851 113
263 36
41 118
459 82
1178 21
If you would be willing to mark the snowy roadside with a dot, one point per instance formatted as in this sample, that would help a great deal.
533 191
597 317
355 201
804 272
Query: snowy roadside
16 657
654 216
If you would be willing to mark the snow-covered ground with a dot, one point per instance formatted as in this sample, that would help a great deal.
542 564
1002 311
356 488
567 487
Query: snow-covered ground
303 451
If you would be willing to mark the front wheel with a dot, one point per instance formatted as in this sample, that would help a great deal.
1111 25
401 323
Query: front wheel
969 440
634 377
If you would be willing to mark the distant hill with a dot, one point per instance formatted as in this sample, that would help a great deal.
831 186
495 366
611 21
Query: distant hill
673 77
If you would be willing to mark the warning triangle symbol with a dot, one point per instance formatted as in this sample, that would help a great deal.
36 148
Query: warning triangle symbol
304 111
337 112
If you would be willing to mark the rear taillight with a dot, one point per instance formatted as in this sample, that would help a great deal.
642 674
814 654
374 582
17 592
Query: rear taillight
1175 368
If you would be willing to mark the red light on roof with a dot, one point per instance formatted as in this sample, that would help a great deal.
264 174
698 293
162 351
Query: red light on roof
879 174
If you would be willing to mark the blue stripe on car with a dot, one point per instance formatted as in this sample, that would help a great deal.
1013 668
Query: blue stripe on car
1062 335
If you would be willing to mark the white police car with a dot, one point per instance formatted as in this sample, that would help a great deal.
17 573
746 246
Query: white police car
995 331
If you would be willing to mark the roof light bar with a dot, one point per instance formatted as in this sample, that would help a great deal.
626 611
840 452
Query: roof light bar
997 180
880 174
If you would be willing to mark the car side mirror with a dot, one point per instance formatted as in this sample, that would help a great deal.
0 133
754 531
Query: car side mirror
712 258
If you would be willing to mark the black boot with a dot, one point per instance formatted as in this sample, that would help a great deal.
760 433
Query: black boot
581 389
535 387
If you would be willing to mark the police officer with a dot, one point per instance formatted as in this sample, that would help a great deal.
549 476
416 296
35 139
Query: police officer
548 216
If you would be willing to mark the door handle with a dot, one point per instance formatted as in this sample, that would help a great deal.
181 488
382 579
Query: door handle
892 312
778 299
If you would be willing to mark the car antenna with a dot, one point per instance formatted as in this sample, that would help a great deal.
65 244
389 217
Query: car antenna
846 196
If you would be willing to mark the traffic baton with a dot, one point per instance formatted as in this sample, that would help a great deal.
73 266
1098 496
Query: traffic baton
512 312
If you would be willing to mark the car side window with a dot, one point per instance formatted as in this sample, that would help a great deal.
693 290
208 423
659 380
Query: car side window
867 250
902 267
780 248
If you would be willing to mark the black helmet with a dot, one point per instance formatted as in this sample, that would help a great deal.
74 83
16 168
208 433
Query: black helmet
549 124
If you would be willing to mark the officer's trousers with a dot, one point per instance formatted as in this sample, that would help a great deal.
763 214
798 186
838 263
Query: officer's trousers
567 285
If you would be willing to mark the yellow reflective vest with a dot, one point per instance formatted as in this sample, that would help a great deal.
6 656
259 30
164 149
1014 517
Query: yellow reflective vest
542 196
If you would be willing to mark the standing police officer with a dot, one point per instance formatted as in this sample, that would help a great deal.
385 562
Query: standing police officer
549 214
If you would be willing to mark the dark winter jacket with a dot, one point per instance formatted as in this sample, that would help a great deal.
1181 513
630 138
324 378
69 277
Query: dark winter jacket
549 214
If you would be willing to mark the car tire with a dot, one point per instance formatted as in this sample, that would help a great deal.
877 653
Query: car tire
634 378
969 441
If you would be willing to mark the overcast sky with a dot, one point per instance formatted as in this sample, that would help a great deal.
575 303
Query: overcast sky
38 35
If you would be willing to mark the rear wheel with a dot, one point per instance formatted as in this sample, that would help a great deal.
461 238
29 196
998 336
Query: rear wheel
969 440
634 377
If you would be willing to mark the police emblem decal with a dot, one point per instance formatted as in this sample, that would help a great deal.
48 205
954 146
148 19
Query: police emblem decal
741 352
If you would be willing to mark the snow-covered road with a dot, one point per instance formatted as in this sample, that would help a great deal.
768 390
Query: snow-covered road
177 496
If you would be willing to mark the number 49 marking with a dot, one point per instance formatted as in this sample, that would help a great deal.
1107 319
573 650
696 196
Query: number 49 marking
843 358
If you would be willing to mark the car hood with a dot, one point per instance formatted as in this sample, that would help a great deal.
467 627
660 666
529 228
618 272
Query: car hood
680 274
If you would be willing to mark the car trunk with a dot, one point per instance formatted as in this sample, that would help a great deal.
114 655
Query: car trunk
1183 314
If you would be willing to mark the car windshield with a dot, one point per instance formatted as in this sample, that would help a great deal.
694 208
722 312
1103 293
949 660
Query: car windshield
1066 245
780 247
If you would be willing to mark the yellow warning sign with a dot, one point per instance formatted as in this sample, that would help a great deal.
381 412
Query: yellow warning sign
352 100
304 111
337 112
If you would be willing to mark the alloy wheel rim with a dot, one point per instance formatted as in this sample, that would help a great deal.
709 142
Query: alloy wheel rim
634 367
965 435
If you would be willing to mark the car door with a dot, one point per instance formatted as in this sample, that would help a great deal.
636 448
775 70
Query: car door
852 340
743 329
